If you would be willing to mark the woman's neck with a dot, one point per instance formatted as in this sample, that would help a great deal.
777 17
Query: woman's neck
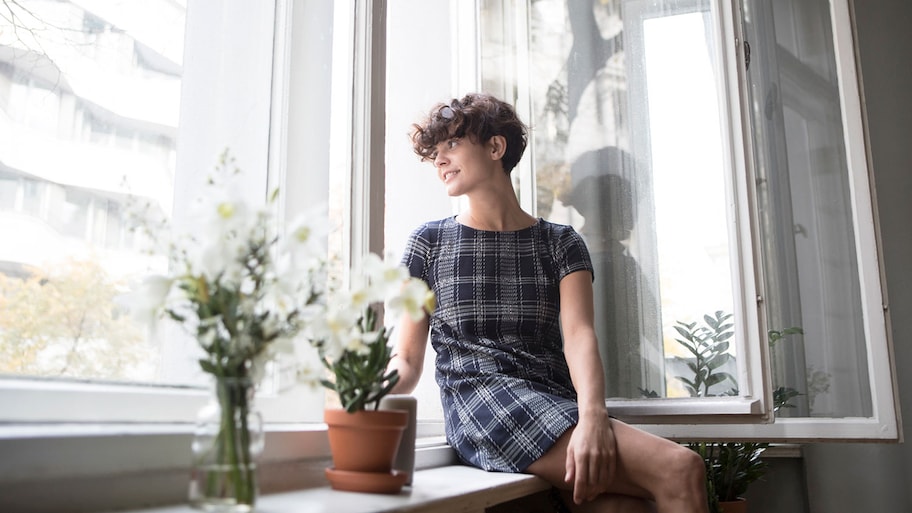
498 216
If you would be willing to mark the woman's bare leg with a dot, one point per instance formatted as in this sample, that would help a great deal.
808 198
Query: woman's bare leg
648 467
609 503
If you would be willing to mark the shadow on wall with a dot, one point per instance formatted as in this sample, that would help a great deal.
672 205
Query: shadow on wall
603 195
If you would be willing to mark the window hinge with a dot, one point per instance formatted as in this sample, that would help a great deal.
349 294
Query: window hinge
747 55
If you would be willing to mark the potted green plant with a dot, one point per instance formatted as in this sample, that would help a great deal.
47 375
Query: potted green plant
354 347
733 465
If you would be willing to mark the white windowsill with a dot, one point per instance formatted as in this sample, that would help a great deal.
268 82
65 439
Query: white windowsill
454 488
94 468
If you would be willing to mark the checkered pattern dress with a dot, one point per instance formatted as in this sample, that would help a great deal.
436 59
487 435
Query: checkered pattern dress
504 382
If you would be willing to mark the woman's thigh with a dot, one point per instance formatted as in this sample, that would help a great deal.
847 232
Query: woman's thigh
642 461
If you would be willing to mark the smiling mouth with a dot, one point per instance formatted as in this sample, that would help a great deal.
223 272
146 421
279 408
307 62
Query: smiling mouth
448 174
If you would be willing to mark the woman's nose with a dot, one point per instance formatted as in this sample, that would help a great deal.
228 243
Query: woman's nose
440 160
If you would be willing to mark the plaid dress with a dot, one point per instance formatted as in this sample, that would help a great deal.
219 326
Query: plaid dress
504 381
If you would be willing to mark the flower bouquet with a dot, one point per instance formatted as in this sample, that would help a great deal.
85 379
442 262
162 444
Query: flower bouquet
247 296
242 292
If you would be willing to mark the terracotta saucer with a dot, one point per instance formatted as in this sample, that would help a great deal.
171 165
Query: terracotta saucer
367 482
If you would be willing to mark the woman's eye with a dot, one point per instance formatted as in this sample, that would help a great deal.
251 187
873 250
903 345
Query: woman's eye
452 143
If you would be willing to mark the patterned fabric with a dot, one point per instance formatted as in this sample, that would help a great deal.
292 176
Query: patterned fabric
504 382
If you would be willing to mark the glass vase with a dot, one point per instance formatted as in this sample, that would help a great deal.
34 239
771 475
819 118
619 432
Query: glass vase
226 443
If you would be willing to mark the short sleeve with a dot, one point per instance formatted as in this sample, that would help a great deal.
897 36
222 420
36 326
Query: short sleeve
571 253
417 252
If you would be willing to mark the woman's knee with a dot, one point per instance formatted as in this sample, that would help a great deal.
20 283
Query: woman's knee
687 463
683 479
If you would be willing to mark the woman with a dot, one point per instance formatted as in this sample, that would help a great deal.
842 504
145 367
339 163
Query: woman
517 358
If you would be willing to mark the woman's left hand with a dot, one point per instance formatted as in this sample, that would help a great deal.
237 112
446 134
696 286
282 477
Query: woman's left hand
591 456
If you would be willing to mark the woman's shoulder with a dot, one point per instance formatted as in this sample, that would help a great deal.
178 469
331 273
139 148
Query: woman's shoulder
568 247
556 231
430 230
562 238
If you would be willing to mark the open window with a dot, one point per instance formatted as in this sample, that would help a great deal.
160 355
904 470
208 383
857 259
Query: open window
711 154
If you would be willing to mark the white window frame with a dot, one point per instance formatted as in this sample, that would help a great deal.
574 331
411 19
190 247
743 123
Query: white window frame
755 402
884 423
750 416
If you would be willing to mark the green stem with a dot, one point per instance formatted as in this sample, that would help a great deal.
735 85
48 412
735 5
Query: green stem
233 458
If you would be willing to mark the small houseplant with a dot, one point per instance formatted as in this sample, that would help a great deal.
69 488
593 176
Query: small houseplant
353 345
350 337
730 466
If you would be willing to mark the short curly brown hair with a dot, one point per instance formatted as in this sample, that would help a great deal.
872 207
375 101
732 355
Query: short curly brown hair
478 116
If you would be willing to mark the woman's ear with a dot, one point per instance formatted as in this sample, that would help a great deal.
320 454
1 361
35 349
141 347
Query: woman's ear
497 146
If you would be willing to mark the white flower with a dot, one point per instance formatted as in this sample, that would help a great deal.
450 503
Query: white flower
360 294
250 296
309 374
304 239
220 247
146 302
386 277
335 330
414 298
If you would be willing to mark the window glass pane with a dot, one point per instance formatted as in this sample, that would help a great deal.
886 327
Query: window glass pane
805 203
629 146
9 187
413 192
88 118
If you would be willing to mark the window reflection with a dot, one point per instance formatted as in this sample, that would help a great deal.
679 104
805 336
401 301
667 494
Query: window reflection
628 147
602 194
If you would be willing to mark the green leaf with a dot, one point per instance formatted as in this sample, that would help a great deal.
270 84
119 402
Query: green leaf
713 380
718 361
209 367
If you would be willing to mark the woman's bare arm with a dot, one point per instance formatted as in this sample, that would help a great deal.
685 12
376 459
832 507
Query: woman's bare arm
408 355
591 454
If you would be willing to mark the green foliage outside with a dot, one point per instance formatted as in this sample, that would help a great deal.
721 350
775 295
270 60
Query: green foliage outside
64 322
730 466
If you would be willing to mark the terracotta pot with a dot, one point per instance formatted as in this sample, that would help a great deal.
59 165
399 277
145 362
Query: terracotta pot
364 441
736 506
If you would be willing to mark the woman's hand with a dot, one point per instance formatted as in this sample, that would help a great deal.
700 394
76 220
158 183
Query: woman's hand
591 456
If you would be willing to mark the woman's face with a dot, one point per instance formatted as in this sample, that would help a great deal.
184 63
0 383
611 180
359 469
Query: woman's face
463 165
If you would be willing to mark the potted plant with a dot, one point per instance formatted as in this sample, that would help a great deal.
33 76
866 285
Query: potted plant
730 466
353 346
